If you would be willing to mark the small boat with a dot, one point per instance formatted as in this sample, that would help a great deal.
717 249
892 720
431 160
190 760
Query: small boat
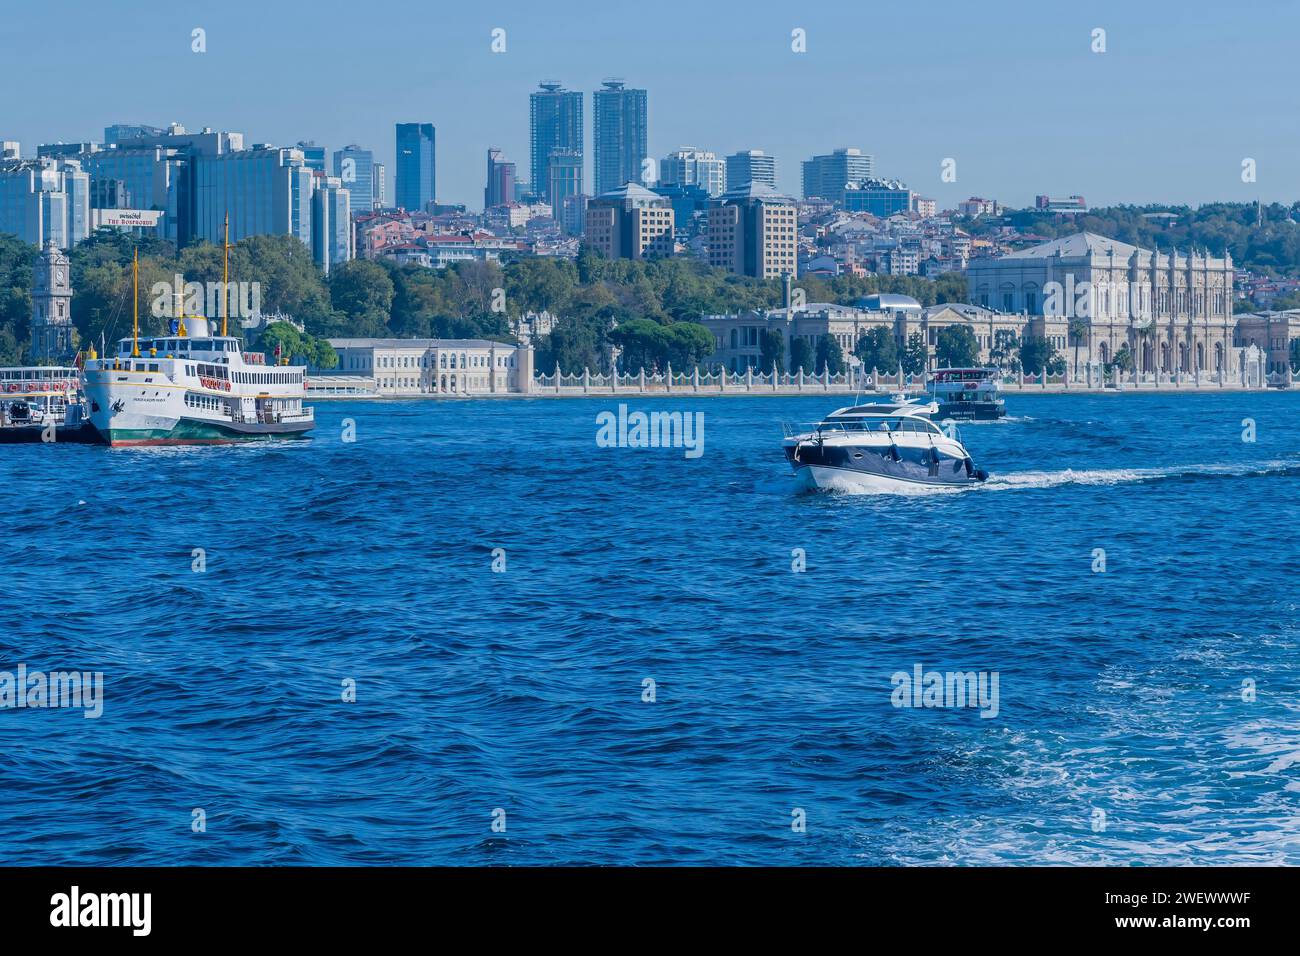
43 403
881 447
967 394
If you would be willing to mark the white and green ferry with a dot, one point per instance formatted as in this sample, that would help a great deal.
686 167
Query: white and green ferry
192 388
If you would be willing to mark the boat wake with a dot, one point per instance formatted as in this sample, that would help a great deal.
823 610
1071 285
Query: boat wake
1013 481
1029 480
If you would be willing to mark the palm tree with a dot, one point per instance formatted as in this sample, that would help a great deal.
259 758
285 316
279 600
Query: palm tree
1079 327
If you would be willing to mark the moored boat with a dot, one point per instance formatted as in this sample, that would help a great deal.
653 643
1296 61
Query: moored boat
43 403
192 387
967 394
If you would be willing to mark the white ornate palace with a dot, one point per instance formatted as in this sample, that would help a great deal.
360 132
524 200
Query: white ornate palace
1173 311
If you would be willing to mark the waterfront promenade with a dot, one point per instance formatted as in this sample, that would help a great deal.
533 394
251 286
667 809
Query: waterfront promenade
757 384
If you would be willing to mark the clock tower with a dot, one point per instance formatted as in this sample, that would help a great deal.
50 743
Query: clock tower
51 307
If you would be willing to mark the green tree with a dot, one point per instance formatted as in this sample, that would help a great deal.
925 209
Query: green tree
878 349
688 344
1123 359
642 345
1037 353
1003 354
956 347
830 357
1079 327
772 349
362 295
915 356
801 355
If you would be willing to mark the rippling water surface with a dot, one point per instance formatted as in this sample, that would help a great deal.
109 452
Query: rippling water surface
1120 693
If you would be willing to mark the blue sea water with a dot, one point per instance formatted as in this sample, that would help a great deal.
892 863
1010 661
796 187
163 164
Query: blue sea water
1121 734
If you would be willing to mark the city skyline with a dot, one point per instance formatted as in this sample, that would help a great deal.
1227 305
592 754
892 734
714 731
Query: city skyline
1012 95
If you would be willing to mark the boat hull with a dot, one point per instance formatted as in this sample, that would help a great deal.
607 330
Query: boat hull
827 467
191 432
155 412
84 434
970 411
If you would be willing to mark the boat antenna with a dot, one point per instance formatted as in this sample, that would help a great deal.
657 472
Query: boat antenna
225 272
135 302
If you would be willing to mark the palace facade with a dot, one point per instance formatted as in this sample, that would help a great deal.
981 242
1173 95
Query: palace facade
1097 294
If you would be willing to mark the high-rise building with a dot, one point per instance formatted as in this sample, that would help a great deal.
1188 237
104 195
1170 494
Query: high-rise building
379 186
416 178
51 306
564 171
630 222
45 200
120 131
355 168
331 221
618 135
500 187
555 122
880 197
753 231
751 166
134 178
183 148
824 177
10 149
688 166
313 156
265 190
690 208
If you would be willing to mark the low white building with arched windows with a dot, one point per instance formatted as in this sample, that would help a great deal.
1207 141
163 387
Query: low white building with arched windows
459 367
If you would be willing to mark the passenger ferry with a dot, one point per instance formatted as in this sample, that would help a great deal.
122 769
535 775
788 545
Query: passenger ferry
42 403
881 447
967 394
192 387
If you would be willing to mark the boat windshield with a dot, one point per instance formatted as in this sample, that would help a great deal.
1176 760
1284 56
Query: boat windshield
881 423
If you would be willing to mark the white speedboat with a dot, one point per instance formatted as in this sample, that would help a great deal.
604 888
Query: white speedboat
881 447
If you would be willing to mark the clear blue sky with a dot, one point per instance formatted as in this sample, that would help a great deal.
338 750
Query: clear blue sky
1008 88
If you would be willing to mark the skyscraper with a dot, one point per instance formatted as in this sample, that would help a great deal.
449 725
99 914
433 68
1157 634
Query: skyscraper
618 135
379 186
564 169
45 200
500 187
355 167
555 122
416 178
689 166
751 166
824 177
313 155
265 191
331 221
